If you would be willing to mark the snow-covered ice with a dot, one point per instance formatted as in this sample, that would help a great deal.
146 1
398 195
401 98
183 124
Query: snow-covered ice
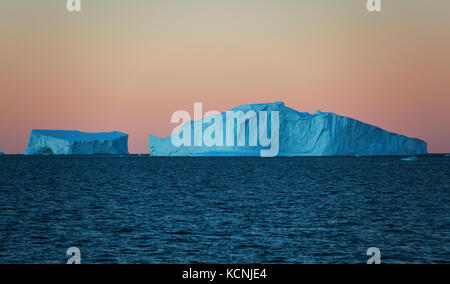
301 134
68 142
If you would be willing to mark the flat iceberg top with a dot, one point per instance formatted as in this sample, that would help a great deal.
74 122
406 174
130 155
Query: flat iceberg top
73 136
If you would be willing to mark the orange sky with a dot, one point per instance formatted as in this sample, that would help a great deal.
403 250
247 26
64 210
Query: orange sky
128 65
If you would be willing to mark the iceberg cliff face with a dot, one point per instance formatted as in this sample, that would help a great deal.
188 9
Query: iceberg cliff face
62 142
300 134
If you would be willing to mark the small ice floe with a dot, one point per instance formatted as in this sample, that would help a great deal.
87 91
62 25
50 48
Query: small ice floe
410 159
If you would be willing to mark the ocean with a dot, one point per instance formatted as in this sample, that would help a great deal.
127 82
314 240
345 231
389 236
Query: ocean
134 209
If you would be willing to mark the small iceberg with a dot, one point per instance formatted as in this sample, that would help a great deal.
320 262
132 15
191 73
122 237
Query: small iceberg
410 159
447 155
67 142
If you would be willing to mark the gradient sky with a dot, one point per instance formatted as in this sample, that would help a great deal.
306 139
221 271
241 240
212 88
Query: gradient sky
128 65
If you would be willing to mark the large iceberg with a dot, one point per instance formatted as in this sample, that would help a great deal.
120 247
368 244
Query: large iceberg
300 134
65 142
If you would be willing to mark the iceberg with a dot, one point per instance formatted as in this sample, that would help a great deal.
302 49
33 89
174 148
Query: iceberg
300 134
1 153
65 142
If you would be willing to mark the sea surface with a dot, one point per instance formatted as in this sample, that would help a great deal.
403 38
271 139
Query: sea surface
224 210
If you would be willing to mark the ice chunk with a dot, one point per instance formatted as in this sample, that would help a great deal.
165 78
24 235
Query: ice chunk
410 159
65 142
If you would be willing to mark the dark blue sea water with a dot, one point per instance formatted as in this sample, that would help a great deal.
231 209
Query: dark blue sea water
224 210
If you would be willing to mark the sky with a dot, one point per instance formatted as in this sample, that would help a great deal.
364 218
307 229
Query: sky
128 65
